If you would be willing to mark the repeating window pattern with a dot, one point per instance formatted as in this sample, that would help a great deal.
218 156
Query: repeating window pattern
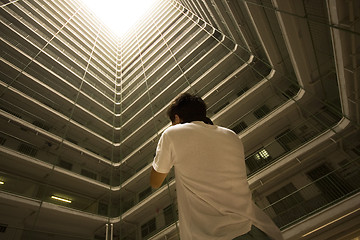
148 227
28 150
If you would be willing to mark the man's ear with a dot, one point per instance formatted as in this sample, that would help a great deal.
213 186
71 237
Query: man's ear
177 120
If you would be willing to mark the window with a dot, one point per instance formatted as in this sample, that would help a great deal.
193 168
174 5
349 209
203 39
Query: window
329 182
105 180
221 107
103 209
3 227
92 150
127 204
65 164
356 150
263 154
325 118
71 140
41 125
242 91
291 91
258 160
2 140
27 149
350 172
285 198
141 167
261 111
288 205
144 194
240 127
217 35
11 112
148 227
88 174
288 140
169 213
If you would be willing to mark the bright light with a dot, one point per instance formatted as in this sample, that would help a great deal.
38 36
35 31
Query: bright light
263 154
119 15
1 182
61 199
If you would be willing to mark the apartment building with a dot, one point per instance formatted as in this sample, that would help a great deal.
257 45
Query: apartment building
82 109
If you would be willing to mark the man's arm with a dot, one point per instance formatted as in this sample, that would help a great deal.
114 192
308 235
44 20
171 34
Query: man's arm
156 178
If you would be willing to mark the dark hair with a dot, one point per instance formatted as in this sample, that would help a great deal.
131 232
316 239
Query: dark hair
188 107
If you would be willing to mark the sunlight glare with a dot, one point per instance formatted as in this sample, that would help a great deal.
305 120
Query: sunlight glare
119 15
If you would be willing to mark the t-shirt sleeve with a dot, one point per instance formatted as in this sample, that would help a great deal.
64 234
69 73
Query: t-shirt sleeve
163 161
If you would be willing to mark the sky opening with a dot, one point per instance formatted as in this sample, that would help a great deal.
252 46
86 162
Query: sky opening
119 15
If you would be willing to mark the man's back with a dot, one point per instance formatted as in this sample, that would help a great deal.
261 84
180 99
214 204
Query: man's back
214 199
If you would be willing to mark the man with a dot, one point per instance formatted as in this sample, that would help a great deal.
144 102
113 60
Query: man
214 200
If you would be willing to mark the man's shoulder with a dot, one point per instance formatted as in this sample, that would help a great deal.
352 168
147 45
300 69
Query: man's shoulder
174 128
193 126
184 127
227 130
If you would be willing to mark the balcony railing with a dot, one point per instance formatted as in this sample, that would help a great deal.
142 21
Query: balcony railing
49 152
31 189
328 188
290 140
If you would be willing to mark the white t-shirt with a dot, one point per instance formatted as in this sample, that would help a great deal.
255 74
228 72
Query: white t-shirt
213 195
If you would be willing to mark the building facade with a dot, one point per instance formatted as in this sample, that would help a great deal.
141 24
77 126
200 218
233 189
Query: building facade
82 109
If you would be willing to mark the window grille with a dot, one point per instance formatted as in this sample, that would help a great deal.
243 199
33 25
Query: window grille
258 160
105 180
169 214
27 149
3 227
88 174
263 154
145 193
2 140
287 204
356 150
41 125
127 204
242 91
285 198
103 209
148 227
65 164
261 111
329 182
71 140
240 127
11 112
291 91
288 139
221 107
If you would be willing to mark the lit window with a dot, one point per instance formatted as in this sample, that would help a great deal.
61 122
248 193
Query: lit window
263 154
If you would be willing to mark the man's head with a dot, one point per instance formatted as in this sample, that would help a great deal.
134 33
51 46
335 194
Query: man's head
187 108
